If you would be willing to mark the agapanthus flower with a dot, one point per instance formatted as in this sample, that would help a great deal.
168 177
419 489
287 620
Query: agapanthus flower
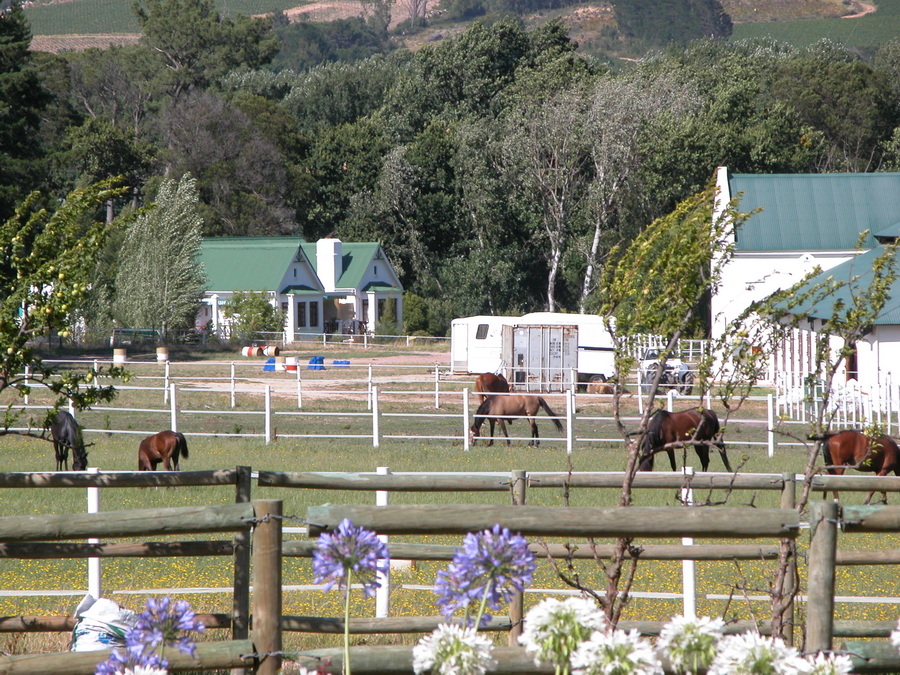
690 644
350 551
829 664
895 636
162 624
489 569
554 628
752 654
453 650
615 652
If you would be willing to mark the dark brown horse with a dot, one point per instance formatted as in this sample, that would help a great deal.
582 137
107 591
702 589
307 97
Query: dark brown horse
66 435
853 449
668 430
161 447
489 383
505 409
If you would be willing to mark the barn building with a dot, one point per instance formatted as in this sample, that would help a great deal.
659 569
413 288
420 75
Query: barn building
328 286
838 222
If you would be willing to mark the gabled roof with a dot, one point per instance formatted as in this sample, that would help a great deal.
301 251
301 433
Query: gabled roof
247 263
809 212
355 258
858 272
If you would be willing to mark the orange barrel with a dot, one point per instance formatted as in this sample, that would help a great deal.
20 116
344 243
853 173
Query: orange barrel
120 355
271 351
248 351
290 363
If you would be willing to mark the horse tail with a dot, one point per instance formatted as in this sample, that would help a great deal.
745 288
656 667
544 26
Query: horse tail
552 414
182 444
482 412
824 436
826 449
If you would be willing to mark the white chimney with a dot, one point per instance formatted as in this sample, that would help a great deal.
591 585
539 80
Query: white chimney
328 262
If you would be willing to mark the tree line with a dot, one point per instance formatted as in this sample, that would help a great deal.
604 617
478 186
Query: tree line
498 169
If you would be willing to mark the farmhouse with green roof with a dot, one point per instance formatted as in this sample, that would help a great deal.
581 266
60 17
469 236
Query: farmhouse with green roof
809 220
325 287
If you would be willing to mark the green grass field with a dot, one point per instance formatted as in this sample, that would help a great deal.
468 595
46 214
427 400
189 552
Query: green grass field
867 32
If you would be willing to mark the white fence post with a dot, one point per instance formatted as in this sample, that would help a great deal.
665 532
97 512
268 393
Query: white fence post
688 567
173 407
437 386
95 587
670 400
466 419
770 424
166 383
369 389
383 592
268 410
232 385
27 371
570 421
299 387
375 430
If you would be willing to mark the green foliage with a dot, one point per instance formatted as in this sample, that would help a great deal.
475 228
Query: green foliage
23 100
158 283
251 312
47 263
387 322
663 22
307 44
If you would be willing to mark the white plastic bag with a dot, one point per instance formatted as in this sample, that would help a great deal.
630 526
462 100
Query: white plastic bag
102 624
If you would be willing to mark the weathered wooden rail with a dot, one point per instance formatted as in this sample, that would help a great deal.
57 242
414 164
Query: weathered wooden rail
262 653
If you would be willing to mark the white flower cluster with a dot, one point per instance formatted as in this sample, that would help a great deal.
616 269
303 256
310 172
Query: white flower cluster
453 650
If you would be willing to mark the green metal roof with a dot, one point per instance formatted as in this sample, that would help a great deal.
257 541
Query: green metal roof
355 258
809 212
381 286
247 263
859 270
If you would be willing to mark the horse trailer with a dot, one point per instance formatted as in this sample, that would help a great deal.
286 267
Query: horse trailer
535 352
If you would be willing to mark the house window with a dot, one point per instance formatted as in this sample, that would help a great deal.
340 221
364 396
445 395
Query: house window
314 314
301 315
295 272
376 270
284 308
481 332
380 309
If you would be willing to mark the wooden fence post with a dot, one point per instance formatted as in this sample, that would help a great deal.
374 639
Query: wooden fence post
267 585
516 604
240 613
788 583
822 550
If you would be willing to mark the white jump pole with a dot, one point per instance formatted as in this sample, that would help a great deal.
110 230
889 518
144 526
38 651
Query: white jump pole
95 587
268 408
376 432
570 421
383 592
232 385
466 419
173 407
688 567
437 386
770 425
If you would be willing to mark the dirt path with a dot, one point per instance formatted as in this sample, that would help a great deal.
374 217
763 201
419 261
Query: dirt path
865 8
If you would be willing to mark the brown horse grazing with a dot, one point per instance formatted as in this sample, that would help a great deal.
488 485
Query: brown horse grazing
488 383
853 449
504 409
697 427
161 447
66 434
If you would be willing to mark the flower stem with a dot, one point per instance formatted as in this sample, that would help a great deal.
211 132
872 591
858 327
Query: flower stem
347 625
483 605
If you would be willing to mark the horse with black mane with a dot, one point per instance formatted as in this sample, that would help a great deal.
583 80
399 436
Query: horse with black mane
855 450
66 435
487 384
164 447
505 409
668 430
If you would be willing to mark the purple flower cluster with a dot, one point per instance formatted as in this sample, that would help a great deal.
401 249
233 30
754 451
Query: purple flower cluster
490 567
350 551
160 625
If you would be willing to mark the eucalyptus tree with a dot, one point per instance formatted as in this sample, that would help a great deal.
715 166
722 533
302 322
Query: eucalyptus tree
159 283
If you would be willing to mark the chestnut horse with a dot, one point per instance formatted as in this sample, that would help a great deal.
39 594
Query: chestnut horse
853 449
504 409
161 447
66 434
697 427
488 383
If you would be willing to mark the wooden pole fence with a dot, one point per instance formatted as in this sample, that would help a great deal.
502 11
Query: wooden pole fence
583 521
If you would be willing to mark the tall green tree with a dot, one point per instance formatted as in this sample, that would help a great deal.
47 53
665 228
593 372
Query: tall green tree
22 98
198 45
48 258
159 284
